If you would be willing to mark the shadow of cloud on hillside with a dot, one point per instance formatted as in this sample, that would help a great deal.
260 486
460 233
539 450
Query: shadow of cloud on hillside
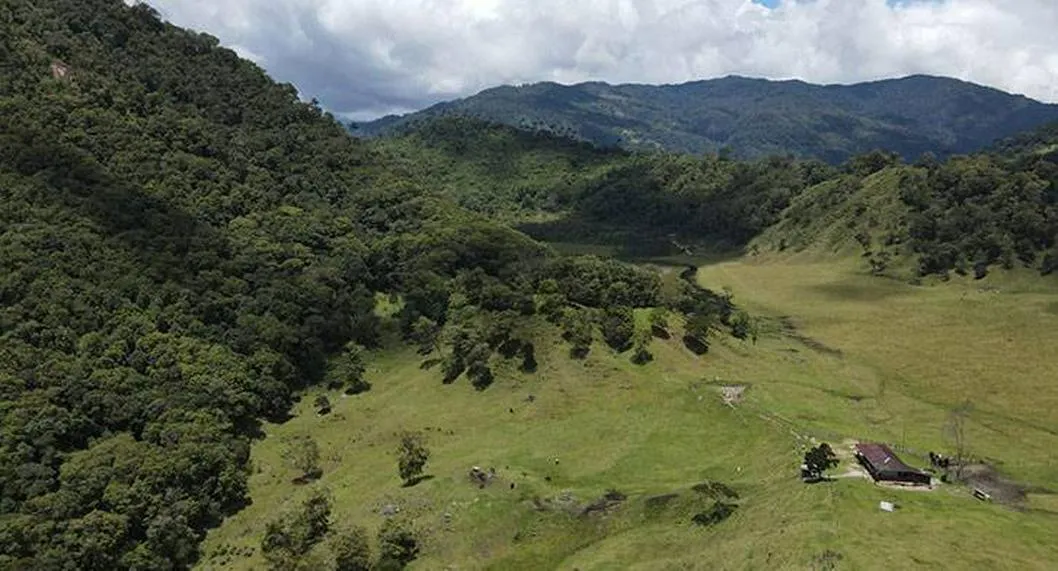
577 235
166 244
859 289
158 234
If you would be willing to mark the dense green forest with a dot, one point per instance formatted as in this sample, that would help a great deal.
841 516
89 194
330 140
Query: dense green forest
753 118
963 214
184 247
524 176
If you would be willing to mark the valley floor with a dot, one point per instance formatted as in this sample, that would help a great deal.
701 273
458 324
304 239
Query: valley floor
841 357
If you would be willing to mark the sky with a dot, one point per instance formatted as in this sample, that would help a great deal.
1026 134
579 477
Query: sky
365 58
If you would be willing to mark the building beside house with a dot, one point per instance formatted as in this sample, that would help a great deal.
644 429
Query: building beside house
885 466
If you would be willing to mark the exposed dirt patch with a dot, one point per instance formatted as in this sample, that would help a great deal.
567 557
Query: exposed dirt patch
853 472
732 394
846 453
906 487
59 70
987 479
609 501
564 502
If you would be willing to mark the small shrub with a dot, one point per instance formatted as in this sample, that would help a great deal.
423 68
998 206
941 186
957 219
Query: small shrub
352 550
311 522
357 386
397 545
277 547
322 405
659 322
827 560
290 537
304 454
412 456
618 327
742 326
641 354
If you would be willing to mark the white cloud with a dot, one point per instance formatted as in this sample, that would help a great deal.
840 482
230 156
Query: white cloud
366 57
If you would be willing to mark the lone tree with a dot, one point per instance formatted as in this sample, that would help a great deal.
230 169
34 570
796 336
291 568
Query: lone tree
577 330
412 456
743 326
618 327
659 322
426 333
322 405
696 334
955 432
304 454
292 535
352 549
348 371
818 460
397 545
641 354
478 370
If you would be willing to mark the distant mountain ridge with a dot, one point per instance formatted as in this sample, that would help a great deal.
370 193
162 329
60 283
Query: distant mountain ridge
756 117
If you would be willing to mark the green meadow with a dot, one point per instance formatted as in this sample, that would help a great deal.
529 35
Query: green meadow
841 356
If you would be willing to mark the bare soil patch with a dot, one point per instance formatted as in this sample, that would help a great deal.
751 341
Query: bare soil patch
732 394
987 479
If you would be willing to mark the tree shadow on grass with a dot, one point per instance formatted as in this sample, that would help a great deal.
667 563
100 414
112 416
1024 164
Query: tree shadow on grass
428 364
579 353
695 345
417 480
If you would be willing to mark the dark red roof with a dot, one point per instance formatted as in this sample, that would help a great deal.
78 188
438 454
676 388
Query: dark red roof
882 458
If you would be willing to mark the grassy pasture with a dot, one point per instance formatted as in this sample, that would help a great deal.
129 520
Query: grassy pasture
841 356
911 353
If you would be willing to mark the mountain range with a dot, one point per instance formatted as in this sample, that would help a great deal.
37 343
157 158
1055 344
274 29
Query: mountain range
749 118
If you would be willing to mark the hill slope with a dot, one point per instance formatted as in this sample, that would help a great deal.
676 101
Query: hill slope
841 355
963 214
755 117
184 248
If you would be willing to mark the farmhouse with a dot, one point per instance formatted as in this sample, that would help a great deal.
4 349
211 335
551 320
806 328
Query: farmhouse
885 466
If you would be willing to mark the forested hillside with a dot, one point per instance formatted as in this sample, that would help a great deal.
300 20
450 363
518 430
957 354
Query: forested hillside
963 214
523 176
751 118
184 246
